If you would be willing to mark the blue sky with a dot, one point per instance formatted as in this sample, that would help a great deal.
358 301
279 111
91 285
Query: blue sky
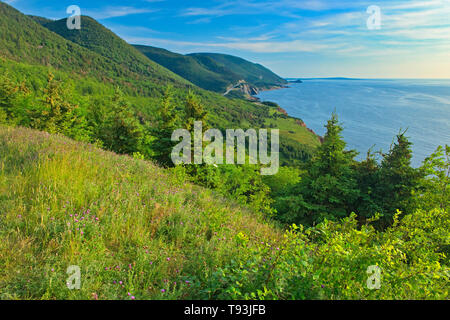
294 38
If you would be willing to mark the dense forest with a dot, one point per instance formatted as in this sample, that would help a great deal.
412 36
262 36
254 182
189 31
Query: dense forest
86 179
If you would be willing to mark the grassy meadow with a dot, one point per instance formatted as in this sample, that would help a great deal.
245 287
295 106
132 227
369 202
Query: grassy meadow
138 231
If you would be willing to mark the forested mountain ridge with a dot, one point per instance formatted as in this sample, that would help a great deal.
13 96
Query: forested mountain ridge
189 68
216 72
101 40
253 73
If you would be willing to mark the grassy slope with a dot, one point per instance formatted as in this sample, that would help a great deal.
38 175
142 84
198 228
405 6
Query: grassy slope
145 216
65 203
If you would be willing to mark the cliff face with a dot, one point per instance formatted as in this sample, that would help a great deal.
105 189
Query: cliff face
248 90
301 123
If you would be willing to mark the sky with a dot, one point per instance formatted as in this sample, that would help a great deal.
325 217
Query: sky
294 38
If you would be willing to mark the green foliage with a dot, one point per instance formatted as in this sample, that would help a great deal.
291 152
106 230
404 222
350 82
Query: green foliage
168 121
194 111
331 260
120 219
163 238
98 39
367 176
120 131
329 187
242 183
55 115
12 99
334 185
433 189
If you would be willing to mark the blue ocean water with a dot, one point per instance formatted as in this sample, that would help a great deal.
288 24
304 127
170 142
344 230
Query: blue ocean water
373 111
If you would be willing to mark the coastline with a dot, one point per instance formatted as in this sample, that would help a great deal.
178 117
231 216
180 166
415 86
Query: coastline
300 122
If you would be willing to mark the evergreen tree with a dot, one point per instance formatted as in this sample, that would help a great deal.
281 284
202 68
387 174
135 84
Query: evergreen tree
167 120
329 188
194 111
121 131
397 179
11 111
434 189
55 115
367 174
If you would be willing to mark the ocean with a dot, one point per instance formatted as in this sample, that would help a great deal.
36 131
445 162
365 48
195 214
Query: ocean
373 112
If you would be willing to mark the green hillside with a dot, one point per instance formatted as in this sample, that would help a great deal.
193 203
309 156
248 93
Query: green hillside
214 72
107 59
137 231
253 73
211 76
23 39
101 40
64 203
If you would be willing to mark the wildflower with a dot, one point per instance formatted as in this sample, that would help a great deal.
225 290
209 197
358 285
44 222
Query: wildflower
168 259
120 282
133 297
163 290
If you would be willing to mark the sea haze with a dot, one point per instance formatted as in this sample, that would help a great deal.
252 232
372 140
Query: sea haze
373 111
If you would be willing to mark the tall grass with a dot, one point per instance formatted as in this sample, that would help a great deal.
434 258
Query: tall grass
134 229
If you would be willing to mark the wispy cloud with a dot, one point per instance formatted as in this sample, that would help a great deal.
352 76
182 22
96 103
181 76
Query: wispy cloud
119 11
252 46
